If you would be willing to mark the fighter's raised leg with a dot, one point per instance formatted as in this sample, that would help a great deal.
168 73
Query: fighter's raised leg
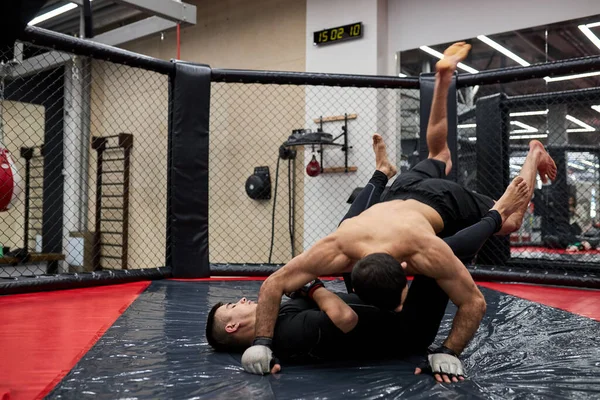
437 129
537 161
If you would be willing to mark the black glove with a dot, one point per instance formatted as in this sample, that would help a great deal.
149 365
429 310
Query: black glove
307 290
259 359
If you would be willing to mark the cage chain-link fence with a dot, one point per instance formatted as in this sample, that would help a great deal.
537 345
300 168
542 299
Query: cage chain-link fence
560 229
328 131
87 185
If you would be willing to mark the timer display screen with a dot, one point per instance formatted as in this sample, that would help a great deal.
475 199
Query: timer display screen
340 33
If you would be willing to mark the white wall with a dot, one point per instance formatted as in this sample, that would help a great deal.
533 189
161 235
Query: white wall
326 195
414 23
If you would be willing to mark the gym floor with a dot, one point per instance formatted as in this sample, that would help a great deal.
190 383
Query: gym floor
146 340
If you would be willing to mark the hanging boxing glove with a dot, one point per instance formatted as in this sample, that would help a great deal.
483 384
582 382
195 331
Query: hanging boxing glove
313 168
10 181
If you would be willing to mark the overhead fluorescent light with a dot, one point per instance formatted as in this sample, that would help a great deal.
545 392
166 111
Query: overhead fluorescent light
51 14
591 164
538 136
439 55
576 166
526 128
593 24
568 77
528 113
584 127
464 126
503 50
590 35
597 108
401 75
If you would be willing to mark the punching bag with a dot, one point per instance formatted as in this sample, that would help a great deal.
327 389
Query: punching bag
10 181
313 168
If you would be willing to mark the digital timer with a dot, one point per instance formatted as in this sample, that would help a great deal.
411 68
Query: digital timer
331 35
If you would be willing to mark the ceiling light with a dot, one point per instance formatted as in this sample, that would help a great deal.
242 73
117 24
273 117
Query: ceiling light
591 164
51 14
528 113
538 136
567 77
401 75
526 128
503 50
586 127
590 35
597 108
593 24
439 55
576 166
463 126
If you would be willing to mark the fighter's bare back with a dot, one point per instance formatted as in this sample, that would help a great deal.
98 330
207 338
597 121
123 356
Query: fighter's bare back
389 227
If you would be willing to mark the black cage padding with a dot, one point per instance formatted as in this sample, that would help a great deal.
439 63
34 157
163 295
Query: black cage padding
43 283
189 171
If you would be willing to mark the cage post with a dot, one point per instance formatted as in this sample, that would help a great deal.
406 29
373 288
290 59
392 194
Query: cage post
493 167
188 212
98 144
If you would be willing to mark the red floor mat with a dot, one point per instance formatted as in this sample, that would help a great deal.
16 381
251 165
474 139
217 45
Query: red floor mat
578 301
43 335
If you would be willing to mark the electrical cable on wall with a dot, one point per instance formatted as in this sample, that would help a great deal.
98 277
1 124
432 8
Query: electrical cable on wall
273 214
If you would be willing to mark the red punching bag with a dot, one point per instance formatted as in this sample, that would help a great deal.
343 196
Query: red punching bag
313 168
10 181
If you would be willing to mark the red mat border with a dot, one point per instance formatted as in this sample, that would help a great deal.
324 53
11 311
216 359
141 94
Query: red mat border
90 344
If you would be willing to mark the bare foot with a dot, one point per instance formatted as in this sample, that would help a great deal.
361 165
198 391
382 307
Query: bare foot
382 163
452 56
514 197
546 166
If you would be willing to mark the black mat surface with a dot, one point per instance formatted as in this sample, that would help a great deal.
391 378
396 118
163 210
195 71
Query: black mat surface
157 350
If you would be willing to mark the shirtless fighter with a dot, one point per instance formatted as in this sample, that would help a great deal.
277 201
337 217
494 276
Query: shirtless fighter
404 228
317 325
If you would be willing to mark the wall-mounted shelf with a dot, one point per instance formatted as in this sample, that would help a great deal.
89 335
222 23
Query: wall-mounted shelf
321 143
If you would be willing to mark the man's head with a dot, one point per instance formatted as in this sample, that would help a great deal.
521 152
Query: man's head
379 279
230 326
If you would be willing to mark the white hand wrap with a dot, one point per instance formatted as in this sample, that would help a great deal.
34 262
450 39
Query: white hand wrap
446 364
257 360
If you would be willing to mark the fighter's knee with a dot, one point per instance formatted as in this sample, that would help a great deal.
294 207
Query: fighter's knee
444 156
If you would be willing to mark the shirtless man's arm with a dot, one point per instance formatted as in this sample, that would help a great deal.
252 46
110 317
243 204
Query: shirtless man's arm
439 262
324 258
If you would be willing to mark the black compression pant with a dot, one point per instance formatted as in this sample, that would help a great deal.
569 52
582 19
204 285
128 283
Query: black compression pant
425 297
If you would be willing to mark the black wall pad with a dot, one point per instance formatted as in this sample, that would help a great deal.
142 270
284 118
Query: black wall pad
493 170
70 44
44 283
427 84
157 350
188 213
308 78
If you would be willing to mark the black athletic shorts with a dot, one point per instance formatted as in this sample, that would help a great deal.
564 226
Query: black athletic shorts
459 207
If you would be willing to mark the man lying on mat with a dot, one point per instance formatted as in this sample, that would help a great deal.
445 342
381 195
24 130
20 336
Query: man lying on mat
318 325
419 206
314 326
